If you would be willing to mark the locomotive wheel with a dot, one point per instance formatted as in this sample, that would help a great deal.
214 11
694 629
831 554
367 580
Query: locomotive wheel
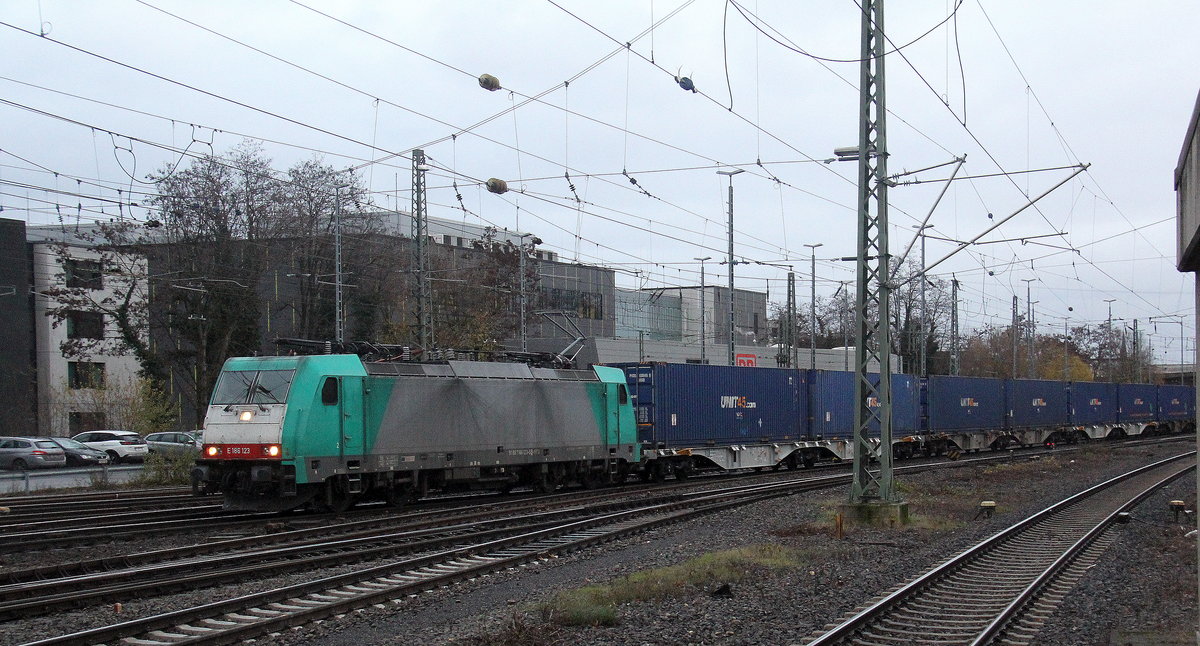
337 497
590 480
343 502
400 496
549 481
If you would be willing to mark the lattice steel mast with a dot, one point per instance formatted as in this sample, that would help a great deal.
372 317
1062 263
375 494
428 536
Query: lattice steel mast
874 291
423 307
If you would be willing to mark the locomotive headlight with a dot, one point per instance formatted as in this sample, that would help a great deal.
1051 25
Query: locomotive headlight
246 415
273 450
212 451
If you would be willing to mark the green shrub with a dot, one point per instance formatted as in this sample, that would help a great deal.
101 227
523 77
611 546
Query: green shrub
162 469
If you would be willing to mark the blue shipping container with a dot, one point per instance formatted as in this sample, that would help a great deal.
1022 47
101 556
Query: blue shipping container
1176 403
680 405
1034 403
1137 402
832 404
1093 403
965 403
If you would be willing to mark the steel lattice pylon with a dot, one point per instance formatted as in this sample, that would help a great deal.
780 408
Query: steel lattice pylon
787 336
873 400
423 307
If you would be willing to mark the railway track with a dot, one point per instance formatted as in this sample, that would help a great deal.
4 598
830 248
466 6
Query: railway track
232 620
1003 589
308 550
260 532
74 511
93 496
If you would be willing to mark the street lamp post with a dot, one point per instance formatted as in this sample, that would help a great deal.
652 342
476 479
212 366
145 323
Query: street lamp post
730 174
703 311
812 337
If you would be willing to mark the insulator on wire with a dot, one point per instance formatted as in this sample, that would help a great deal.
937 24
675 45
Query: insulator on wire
497 186
489 82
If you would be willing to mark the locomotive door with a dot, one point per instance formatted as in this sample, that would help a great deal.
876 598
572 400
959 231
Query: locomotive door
616 396
351 422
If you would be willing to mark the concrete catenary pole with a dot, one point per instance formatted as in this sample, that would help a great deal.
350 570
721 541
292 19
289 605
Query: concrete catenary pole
812 320
732 262
703 311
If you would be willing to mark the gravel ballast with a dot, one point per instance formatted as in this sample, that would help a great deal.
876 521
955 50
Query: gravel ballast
1143 588
1145 585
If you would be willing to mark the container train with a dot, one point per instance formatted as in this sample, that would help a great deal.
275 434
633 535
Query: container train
331 430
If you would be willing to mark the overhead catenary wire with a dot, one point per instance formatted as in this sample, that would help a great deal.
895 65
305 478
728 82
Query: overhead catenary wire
601 200
467 129
202 91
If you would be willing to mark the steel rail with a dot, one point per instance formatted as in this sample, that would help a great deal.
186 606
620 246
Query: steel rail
1012 612
233 620
845 632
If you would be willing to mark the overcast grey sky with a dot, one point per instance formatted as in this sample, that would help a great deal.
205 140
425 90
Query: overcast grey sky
1039 85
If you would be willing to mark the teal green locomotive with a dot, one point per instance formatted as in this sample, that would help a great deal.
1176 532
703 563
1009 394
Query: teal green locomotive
332 430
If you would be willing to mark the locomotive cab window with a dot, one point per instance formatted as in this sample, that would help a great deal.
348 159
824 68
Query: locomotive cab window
622 394
329 391
252 387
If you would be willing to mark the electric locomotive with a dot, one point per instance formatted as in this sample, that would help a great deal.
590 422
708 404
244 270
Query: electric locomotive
332 430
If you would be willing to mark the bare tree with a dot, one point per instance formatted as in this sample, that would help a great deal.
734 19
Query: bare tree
182 290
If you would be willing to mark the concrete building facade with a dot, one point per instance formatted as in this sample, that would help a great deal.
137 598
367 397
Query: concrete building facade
77 393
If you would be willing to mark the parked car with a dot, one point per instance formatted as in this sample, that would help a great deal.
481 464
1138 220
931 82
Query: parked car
175 443
20 453
119 445
79 454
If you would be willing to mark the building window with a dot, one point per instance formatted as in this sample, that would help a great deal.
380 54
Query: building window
80 422
585 305
85 325
86 274
84 374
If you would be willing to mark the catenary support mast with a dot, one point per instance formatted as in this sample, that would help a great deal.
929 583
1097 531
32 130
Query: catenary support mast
873 343
420 240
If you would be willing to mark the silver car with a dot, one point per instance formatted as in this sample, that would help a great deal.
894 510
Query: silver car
20 453
175 443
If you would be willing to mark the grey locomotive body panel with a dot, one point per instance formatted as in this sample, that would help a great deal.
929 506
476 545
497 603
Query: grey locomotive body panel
489 421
